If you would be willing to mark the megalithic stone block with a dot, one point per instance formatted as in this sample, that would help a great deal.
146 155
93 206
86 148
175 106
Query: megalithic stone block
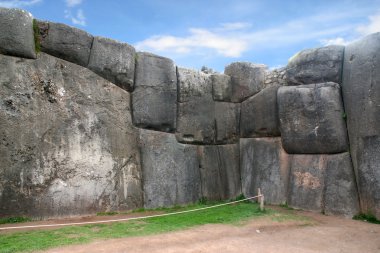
65 42
16 33
265 165
221 87
247 79
170 169
227 118
154 100
323 183
259 114
220 173
312 119
361 94
114 61
317 65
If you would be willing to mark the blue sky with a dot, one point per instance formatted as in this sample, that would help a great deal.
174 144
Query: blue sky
215 33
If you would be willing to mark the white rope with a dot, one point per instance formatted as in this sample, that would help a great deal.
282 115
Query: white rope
128 219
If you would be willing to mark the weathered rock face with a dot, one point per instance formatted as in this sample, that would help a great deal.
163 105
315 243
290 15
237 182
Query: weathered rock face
323 183
113 61
65 42
67 145
361 94
171 170
220 172
221 87
227 122
259 114
265 165
154 100
317 65
16 33
247 79
312 119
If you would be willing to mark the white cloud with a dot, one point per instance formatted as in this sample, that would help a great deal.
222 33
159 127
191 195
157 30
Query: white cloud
236 26
18 3
77 19
372 27
335 41
72 3
198 40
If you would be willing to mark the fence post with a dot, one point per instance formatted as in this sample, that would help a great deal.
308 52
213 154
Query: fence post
260 199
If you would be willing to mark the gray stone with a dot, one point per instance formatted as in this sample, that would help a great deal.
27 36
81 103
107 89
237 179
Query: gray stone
265 165
16 33
196 108
67 143
315 66
220 173
306 183
259 114
247 79
341 193
221 87
170 169
275 77
114 61
312 119
65 42
227 117
323 183
154 100
361 94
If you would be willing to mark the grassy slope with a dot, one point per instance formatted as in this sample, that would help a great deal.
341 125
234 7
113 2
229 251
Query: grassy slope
43 239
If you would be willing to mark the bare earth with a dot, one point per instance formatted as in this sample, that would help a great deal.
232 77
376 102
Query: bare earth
326 234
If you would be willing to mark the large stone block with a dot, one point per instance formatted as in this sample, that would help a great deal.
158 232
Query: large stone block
323 183
67 143
361 94
114 61
317 65
170 169
196 108
16 33
341 193
154 100
65 42
227 117
247 79
312 119
307 182
265 165
221 87
259 114
220 172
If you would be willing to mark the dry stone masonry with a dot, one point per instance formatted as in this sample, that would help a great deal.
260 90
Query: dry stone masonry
88 124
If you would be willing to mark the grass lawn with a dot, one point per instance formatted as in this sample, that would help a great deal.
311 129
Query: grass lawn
235 214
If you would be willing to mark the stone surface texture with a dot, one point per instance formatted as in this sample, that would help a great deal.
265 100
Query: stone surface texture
265 165
361 94
68 146
65 42
317 65
114 61
220 172
16 33
259 114
247 79
171 170
323 183
154 100
221 87
312 119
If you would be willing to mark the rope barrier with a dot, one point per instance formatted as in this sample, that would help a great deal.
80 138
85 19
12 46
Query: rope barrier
129 219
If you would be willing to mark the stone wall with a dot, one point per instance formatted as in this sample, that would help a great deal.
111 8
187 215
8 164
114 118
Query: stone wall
88 124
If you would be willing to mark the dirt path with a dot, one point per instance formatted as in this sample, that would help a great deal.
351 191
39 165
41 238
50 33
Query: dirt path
327 235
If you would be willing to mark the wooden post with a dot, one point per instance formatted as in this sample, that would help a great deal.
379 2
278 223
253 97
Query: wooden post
260 199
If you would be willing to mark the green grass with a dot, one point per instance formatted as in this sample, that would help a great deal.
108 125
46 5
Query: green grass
14 220
235 214
367 217
106 213
37 43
